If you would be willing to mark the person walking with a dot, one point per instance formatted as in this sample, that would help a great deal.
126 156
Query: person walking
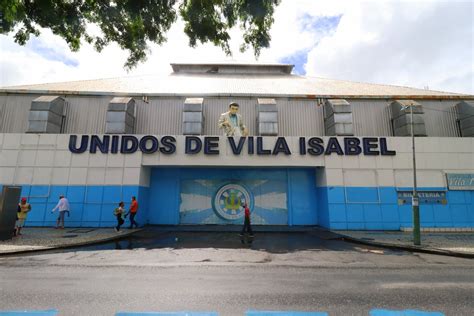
133 212
119 212
63 207
22 211
247 227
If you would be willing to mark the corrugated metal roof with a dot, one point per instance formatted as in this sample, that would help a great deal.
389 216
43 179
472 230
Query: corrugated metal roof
232 68
260 85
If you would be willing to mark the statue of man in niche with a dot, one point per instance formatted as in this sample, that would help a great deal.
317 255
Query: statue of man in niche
231 122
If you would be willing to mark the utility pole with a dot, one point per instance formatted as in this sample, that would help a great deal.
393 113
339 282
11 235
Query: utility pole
415 201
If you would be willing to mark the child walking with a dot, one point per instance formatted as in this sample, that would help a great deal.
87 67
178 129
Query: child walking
119 212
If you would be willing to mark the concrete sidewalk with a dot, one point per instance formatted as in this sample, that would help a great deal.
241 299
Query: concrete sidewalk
459 244
47 238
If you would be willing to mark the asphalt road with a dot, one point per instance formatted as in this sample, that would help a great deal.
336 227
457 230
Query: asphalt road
174 275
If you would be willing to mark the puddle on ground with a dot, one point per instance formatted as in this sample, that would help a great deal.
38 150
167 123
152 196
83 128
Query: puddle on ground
274 242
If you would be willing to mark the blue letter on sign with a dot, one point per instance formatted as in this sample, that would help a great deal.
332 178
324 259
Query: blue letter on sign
127 148
115 144
236 149
281 146
82 148
102 145
368 146
260 150
190 140
352 146
169 146
333 147
383 148
315 147
210 145
154 144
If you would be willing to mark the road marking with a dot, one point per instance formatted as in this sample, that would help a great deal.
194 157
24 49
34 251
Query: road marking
166 314
427 285
284 313
408 312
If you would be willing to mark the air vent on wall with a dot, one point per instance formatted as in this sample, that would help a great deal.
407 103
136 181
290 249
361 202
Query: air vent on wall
267 119
401 117
46 115
338 118
193 120
120 116
465 111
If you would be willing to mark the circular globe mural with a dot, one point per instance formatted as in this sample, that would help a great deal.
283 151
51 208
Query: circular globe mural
228 201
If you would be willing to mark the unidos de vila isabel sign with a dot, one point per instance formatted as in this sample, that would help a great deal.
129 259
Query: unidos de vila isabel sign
209 145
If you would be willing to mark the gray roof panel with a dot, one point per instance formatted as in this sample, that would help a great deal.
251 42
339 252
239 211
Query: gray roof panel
260 85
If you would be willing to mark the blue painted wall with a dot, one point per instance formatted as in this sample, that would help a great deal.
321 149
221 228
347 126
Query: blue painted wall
164 196
331 207
378 209
91 206
171 185
302 198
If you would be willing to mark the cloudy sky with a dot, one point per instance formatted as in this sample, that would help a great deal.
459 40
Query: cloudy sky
422 44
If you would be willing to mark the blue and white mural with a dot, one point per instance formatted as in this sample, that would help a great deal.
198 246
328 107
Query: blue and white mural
219 201
276 196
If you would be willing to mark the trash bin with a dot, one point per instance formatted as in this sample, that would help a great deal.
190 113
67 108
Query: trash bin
8 207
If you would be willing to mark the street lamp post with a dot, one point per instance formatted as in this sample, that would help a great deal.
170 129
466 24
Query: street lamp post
415 200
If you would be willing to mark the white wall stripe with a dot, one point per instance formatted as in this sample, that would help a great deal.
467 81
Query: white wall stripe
46 160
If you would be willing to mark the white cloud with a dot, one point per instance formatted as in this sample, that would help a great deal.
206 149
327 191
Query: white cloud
416 44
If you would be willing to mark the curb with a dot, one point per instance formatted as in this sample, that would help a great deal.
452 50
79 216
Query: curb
65 246
434 251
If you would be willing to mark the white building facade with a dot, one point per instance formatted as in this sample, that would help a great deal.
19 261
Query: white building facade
319 152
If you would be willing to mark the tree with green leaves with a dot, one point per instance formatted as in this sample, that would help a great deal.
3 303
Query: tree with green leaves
132 24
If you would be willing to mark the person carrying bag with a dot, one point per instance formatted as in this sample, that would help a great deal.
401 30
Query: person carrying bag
119 212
